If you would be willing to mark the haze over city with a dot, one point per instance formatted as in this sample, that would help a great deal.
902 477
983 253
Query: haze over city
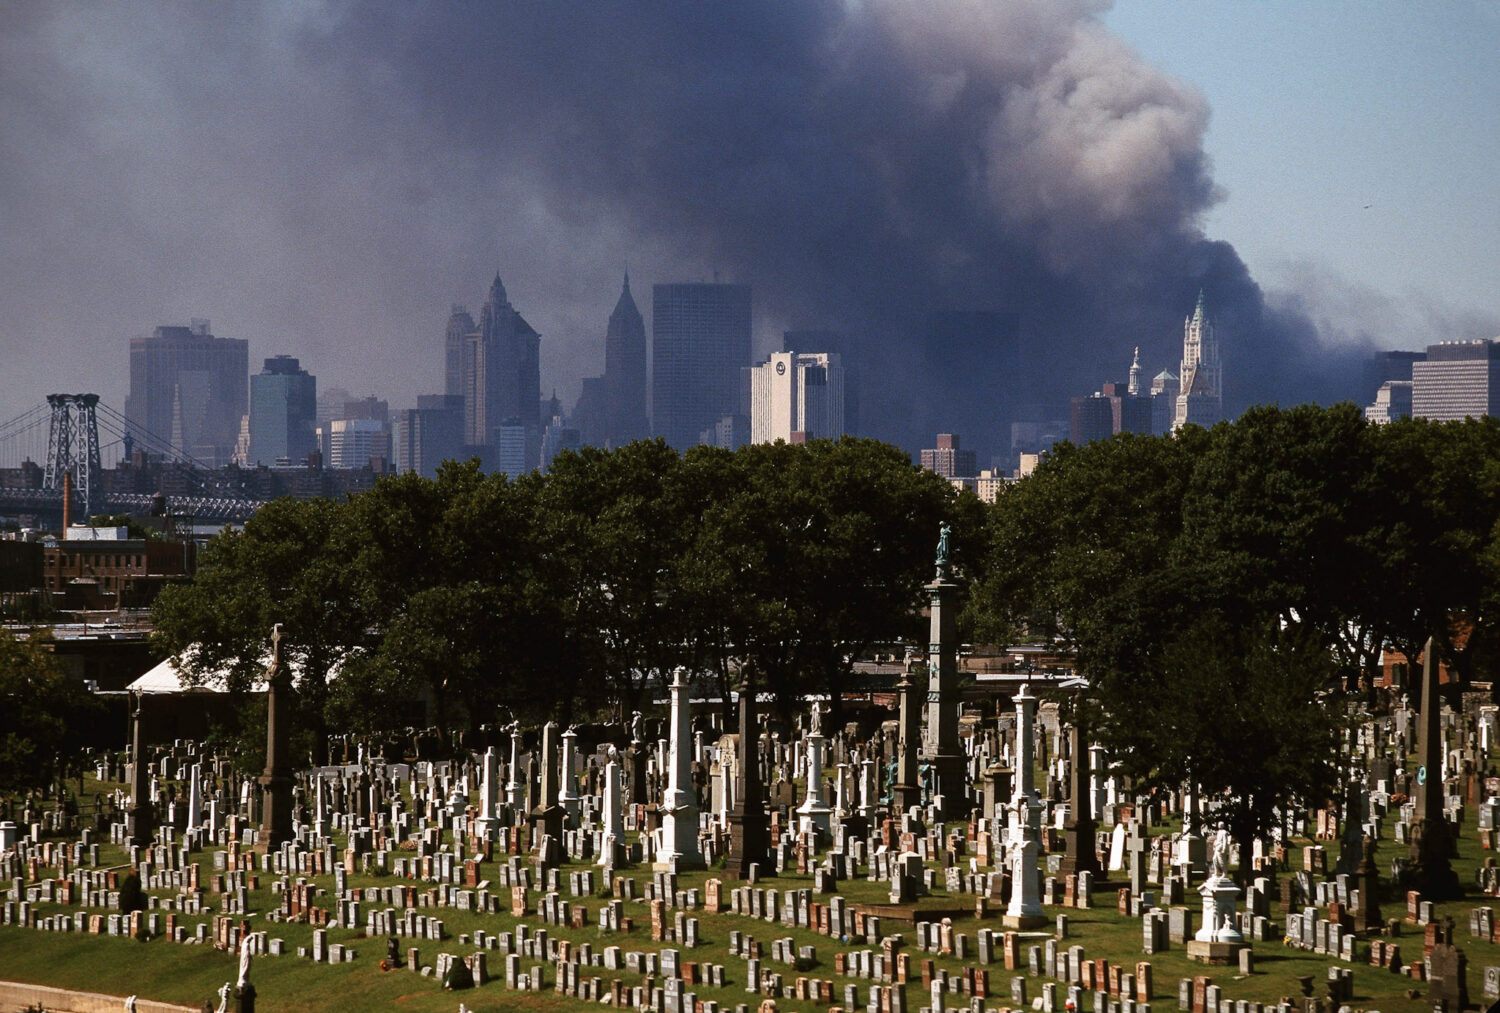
324 180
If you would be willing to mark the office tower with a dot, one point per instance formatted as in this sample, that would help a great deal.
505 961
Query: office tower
796 397
189 387
1090 418
625 373
949 459
1392 401
429 434
355 443
1133 385
1111 410
460 326
502 380
1458 379
557 437
283 413
331 401
1200 400
1164 391
338 405
589 414
511 450
700 340
848 351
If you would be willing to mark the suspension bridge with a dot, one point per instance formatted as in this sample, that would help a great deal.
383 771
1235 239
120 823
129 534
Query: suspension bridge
56 447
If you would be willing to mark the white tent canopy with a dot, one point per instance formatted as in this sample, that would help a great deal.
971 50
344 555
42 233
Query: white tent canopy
169 677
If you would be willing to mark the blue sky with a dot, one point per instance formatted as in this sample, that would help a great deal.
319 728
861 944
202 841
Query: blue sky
1357 146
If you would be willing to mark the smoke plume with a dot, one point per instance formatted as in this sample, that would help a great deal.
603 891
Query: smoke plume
325 178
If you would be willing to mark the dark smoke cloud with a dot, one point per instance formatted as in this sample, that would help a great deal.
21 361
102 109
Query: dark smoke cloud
324 178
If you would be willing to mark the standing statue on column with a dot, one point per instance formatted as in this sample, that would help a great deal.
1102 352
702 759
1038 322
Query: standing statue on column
944 533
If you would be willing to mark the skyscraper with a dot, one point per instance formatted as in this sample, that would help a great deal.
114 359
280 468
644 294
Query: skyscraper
189 387
429 434
625 373
1164 391
1109 411
283 412
700 340
460 326
797 396
1200 400
502 380
1457 380
848 348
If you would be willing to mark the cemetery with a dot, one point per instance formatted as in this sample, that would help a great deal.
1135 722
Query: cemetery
961 860
1178 795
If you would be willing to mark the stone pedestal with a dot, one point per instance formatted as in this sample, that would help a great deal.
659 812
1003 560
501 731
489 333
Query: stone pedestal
1218 941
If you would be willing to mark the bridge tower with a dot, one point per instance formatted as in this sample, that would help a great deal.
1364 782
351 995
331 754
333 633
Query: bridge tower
73 446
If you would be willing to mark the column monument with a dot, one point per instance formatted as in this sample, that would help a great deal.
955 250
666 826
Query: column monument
276 780
907 791
1431 848
940 743
749 830
1025 908
140 780
679 810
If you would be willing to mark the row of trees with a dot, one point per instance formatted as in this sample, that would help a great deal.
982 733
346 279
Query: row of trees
562 592
1222 586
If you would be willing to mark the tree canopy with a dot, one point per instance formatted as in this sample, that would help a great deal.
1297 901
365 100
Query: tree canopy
40 709
563 593
1222 587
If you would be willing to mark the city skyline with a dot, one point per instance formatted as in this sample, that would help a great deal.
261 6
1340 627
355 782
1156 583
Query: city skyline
340 193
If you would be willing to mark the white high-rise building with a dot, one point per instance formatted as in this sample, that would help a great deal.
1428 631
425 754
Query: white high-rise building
797 396
1457 380
353 442
1200 398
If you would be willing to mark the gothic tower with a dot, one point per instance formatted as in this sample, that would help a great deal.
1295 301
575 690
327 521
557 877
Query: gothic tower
1201 398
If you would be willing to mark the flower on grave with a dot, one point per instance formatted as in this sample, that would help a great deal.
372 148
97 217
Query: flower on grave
385 965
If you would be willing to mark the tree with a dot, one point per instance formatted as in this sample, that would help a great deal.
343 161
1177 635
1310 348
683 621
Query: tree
38 707
1242 711
1185 573
813 553
289 565
616 523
